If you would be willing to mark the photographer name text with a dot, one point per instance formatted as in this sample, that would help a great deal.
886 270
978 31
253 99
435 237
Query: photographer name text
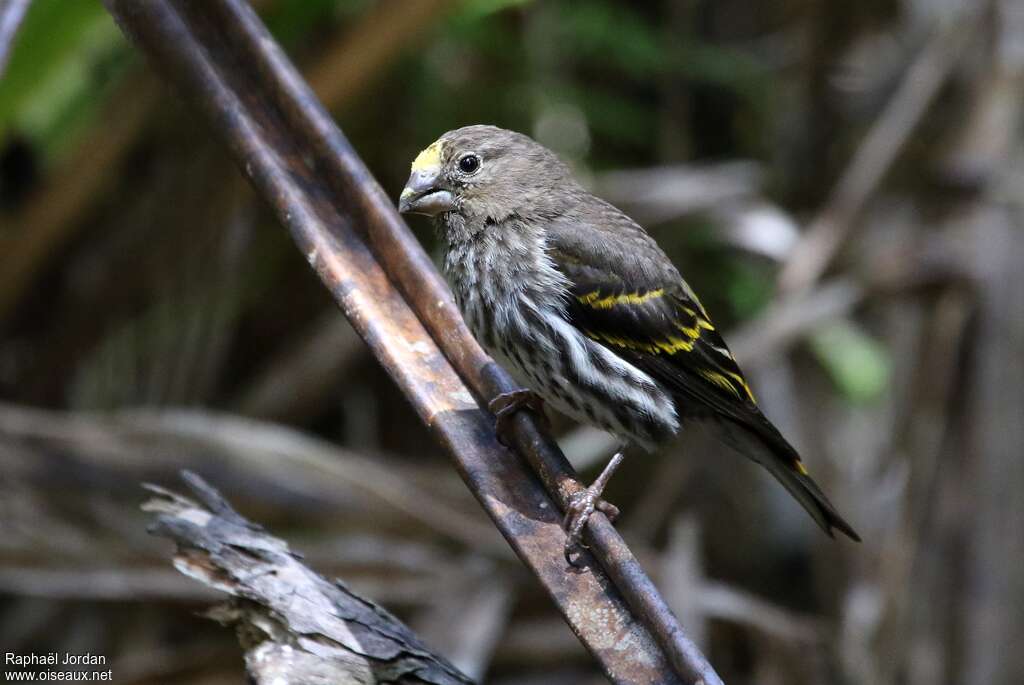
55 659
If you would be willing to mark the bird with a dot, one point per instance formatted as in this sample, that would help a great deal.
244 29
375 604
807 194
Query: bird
583 306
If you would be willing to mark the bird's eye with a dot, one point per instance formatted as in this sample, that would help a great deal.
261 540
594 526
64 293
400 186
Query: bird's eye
469 164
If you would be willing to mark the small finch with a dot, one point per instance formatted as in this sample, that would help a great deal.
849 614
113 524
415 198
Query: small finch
581 303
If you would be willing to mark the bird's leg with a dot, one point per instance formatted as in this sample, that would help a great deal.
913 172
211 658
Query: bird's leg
505 405
585 502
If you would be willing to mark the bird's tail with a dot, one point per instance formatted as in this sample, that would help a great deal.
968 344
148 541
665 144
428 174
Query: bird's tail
783 462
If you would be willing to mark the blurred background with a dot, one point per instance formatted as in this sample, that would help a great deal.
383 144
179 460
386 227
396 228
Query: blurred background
840 181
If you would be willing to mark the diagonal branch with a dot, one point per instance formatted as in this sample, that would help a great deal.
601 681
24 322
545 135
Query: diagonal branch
219 54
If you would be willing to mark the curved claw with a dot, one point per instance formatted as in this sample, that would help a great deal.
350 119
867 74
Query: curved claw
583 504
608 509
568 552
505 406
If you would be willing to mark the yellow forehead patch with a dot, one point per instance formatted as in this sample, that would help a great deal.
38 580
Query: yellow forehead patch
430 157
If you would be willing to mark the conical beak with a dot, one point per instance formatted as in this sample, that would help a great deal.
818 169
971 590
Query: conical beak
422 196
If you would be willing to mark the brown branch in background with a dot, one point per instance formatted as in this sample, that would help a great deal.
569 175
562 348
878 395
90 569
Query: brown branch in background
309 484
54 213
658 194
50 217
402 533
988 516
350 65
263 451
221 55
472 622
362 473
12 12
790 318
297 383
876 154
104 584
295 625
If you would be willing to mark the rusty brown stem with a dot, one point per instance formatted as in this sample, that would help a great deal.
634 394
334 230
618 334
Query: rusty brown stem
220 54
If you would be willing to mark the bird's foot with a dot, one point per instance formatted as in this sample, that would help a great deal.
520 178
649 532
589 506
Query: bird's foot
505 406
582 505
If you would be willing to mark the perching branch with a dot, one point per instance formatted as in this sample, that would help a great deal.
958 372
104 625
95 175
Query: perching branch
295 625
220 54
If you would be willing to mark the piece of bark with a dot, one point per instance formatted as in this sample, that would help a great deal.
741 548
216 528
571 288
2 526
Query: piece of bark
294 625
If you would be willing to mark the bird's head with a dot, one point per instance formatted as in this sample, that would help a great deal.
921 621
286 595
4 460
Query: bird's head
484 175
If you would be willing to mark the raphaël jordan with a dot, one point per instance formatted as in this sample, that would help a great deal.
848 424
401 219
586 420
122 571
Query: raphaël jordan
54 659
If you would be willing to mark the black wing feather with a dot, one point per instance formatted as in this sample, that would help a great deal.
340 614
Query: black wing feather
663 330
655 322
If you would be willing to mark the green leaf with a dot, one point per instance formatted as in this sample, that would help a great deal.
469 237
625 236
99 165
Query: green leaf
749 286
474 10
857 363
64 56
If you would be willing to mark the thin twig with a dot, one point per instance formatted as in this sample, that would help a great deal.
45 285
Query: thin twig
658 194
875 156
292 385
98 584
275 453
367 48
793 316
